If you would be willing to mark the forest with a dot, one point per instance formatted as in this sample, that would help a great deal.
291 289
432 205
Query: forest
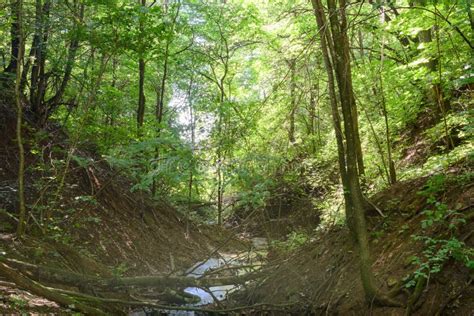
236 157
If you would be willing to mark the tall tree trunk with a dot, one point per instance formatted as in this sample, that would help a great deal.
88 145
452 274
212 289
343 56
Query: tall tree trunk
15 7
392 175
325 47
313 118
160 90
35 53
141 79
160 97
339 35
19 108
291 131
220 186
49 106
354 202
193 141
38 54
141 96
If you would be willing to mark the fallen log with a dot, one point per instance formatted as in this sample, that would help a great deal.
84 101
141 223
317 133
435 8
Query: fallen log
142 303
38 289
52 275
172 281
58 276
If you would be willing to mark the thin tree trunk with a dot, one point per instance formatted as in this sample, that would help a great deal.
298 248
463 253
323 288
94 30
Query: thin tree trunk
438 89
353 198
160 97
141 80
141 96
312 114
392 176
325 36
291 132
193 140
392 179
19 108
219 161
15 30
53 103
379 149
38 54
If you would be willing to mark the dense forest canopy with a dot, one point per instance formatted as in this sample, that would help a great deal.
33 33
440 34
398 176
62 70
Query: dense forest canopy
227 108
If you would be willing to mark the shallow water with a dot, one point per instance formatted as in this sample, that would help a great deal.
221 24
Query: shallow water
259 246
219 292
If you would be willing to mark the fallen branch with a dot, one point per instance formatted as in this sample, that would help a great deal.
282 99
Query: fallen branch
140 303
38 289
59 276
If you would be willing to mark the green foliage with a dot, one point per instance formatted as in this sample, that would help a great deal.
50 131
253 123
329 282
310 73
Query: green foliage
234 77
433 187
438 250
18 303
457 121
436 253
120 270
293 241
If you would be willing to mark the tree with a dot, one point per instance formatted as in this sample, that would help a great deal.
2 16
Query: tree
19 121
141 70
335 48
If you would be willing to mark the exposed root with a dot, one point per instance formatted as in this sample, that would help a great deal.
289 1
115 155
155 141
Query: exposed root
420 285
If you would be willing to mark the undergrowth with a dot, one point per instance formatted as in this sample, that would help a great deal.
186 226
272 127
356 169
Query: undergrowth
439 228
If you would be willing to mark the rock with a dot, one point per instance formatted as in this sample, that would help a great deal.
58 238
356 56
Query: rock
391 281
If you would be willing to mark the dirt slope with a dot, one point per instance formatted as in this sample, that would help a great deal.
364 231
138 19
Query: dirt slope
323 275
96 225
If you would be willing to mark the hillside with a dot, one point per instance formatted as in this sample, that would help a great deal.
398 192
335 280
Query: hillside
236 157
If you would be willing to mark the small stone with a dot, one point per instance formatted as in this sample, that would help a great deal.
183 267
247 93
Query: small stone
391 282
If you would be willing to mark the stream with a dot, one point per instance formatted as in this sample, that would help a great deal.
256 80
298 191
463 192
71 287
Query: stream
219 293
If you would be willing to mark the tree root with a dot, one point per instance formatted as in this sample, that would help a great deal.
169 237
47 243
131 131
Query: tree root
420 285
386 300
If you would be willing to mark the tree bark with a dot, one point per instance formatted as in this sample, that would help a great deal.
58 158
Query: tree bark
38 53
59 276
354 201
15 31
55 100
141 96
160 90
325 47
40 290
291 132
19 120
141 79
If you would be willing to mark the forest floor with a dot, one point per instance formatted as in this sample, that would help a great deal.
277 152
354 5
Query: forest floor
98 226
101 228
323 275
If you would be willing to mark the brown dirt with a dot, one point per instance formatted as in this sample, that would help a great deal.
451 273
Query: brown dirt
114 230
323 275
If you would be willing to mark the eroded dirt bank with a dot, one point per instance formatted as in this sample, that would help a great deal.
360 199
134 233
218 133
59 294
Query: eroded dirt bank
323 276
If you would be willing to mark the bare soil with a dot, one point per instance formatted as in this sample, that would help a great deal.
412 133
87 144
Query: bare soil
322 277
